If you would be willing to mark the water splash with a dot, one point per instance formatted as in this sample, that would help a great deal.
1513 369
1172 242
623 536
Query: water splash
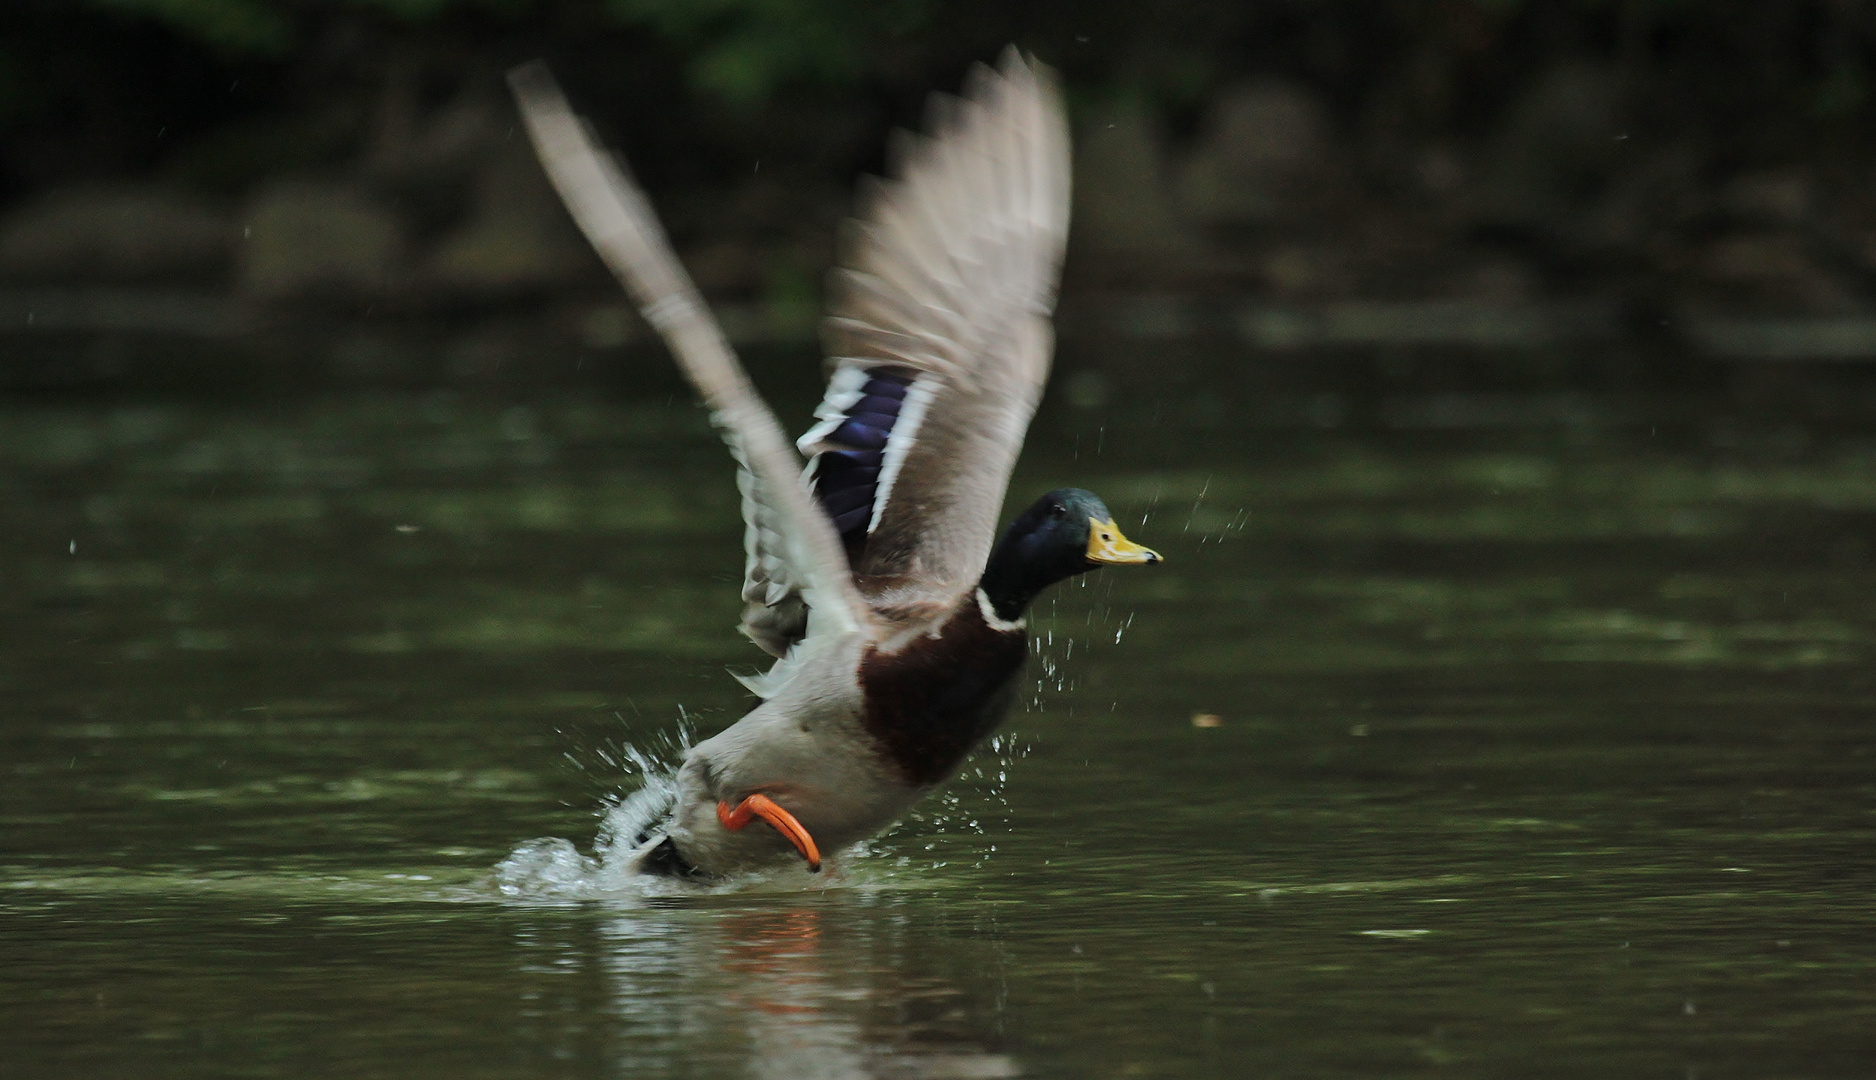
960 824
553 869
547 868
974 806
1196 503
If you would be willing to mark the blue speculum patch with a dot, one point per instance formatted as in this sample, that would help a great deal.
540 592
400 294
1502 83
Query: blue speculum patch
847 478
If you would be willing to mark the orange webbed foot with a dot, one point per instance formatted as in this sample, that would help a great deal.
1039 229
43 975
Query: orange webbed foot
761 806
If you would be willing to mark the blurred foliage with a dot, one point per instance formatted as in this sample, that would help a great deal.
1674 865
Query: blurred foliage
272 27
741 50
228 26
744 49
1751 78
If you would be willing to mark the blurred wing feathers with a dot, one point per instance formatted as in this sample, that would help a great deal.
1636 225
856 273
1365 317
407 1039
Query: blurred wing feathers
939 335
795 559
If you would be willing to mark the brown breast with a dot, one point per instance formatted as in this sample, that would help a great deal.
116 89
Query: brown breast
932 700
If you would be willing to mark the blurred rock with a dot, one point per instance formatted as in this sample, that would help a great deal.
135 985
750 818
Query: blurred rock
1756 258
1440 171
305 236
1499 279
1556 148
1780 197
1122 205
517 236
1299 271
1662 183
114 234
1265 149
408 143
1773 271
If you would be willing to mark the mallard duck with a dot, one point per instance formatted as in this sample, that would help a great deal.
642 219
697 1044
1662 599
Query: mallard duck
875 575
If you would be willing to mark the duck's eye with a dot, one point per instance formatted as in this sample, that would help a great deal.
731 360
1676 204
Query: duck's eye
1058 510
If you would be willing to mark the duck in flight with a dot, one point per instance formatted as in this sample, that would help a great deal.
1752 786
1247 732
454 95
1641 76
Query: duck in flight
875 576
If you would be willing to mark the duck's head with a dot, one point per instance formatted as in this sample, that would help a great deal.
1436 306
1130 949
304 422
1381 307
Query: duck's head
1066 532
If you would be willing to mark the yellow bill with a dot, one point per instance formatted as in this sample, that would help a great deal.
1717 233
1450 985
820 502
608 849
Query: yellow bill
1108 547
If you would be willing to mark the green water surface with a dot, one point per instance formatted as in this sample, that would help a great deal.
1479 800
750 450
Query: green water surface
1500 752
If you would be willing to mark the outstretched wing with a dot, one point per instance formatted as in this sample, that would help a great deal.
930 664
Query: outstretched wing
795 558
939 336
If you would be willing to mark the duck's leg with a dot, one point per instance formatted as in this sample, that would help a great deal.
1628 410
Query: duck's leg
760 805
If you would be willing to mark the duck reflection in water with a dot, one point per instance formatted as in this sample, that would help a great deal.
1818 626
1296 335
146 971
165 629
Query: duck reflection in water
788 993
875 577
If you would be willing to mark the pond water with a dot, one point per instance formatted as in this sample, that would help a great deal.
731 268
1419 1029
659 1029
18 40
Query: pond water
1531 749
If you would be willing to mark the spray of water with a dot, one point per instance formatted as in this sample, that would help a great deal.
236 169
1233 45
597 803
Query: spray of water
975 805
550 869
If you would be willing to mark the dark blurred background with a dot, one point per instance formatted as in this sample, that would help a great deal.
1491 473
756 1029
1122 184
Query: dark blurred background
1458 195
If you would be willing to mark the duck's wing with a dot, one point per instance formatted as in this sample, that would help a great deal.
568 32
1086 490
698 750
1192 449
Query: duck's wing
795 558
939 335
